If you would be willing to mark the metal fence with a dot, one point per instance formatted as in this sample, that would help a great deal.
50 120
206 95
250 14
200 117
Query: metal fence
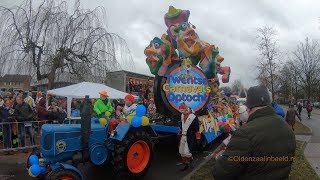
16 136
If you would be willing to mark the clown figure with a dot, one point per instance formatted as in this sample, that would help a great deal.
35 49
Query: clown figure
130 106
188 141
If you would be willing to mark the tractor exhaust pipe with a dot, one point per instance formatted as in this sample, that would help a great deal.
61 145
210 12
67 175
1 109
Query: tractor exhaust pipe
85 127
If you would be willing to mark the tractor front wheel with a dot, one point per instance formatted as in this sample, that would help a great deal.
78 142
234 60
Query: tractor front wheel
133 156
63 174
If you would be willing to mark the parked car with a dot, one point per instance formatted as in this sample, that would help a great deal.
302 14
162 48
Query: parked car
316 104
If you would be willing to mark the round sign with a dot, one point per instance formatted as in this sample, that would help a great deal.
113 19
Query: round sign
61 145
187 85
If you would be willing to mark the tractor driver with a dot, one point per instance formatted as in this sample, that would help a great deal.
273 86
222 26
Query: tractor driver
103 105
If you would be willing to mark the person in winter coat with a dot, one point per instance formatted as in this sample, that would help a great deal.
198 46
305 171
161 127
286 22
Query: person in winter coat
103 105
5 116
42 113
291 116
23 114
253 148
188 132
299 108
309 109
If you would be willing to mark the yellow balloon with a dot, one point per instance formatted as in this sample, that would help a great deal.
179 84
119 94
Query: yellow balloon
103 121
129 118
107 113
145 121
30 174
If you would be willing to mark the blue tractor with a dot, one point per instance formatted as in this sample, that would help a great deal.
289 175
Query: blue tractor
64 146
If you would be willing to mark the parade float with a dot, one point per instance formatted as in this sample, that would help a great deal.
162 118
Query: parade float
188 70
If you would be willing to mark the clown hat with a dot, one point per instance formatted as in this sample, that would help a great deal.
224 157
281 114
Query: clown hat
130 98
176 16
104 93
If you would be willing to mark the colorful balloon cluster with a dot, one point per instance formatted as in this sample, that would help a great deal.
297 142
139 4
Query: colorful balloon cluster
35 169
102 120
139 118
225 124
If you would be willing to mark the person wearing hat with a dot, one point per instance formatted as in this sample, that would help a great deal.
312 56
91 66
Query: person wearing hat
263 148
103 105
130 106
188 130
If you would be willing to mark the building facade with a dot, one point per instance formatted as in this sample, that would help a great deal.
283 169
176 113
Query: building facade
130 82
15 82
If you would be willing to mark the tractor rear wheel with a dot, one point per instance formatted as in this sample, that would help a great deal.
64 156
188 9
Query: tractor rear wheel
63 174
133 155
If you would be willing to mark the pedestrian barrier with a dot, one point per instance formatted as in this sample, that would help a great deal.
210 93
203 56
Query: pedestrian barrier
16 136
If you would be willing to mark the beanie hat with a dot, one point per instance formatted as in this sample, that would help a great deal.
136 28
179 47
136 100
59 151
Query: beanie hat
130 98
258 96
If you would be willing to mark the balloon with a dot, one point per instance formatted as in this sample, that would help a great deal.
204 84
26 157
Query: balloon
129 118
136 121
103 121
107 113
34 160
220 123
231 121
224 119
29 171
221 128
141 110
145 121
35 170
229 115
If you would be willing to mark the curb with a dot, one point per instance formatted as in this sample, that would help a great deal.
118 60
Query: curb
311 132
208 158
307 133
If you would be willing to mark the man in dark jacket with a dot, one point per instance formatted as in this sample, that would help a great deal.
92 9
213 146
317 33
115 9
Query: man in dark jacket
263 148
5 116
23 114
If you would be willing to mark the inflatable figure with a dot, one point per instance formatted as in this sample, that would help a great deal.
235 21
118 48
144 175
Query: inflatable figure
159 54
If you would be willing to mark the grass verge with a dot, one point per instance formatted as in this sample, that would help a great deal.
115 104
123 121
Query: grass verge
299 128
301 169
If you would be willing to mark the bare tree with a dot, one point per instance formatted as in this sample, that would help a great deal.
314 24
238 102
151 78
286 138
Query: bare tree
306 60
51 39
237 86
269 56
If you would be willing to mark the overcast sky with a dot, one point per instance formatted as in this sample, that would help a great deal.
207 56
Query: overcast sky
230 25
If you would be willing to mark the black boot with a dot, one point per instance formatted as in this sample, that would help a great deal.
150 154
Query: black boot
186 166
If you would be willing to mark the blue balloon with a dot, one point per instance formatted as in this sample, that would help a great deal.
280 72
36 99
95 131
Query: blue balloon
224 119
35 169
95 120
141 111
42 169
136 121
34 160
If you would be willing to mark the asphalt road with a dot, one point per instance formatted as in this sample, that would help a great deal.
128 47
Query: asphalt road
166 158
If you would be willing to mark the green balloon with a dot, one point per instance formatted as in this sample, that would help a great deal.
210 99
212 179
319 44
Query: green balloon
221 128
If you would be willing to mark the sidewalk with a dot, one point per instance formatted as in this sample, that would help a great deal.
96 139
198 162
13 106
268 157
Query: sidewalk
312 149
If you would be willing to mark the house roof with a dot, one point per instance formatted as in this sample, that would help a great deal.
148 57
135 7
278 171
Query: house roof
15 78
134 74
